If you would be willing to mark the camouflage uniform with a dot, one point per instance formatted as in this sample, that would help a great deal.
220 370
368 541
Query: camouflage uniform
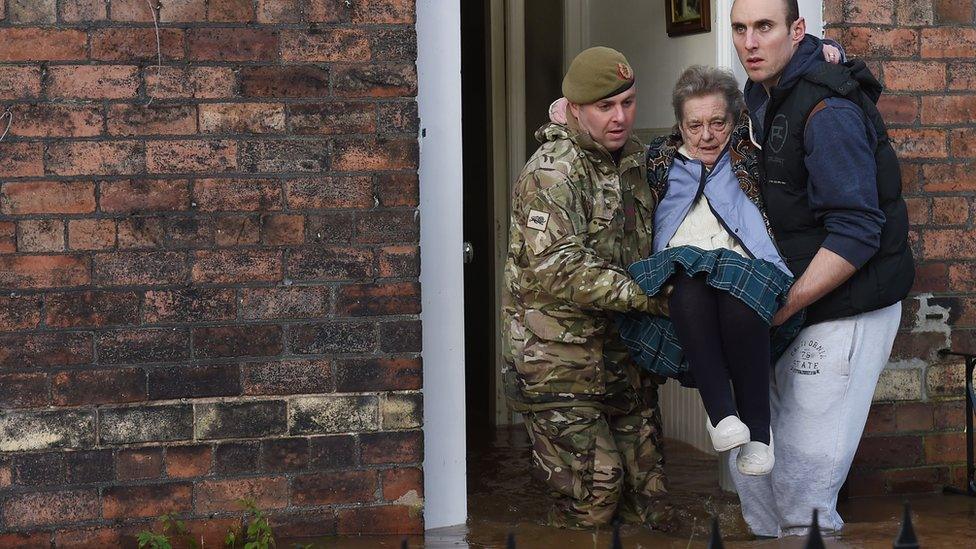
578 219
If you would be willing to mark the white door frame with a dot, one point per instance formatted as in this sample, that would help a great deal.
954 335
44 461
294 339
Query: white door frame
441 266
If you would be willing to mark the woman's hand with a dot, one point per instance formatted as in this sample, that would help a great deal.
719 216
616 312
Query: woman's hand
831 54
557 110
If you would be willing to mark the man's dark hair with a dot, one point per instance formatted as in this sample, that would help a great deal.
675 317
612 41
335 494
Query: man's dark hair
792 11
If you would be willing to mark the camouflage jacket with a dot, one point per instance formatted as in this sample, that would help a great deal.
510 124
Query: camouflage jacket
578 220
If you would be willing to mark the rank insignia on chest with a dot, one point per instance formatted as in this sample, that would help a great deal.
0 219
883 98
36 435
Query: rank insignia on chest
537 220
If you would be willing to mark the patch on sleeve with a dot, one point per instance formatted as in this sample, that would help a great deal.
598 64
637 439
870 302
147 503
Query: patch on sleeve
537 220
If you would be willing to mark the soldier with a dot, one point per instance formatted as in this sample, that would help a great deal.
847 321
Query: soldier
581 213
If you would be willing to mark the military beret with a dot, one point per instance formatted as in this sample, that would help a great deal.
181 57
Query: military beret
595 74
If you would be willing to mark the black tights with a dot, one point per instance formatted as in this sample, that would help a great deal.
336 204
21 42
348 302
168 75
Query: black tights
724 340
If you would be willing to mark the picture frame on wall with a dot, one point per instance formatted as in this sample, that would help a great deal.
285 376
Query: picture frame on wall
688 16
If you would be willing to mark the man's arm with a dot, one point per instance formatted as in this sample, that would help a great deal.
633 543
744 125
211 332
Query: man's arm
843 194
553 224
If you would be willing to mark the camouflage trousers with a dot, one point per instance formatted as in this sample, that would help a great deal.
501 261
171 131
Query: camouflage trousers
600 465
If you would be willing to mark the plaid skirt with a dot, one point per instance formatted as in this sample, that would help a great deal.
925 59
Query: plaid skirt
756 282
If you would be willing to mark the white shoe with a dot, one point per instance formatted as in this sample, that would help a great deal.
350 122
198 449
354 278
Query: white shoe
756 458
729 433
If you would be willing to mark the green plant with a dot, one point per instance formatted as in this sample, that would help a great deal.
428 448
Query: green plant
170 526
255 533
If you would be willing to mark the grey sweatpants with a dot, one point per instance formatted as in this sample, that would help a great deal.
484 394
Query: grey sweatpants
820 394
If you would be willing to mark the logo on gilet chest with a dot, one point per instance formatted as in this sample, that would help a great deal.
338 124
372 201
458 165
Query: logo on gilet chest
778 133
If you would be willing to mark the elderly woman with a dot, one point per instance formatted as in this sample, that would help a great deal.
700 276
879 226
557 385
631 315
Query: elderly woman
713 247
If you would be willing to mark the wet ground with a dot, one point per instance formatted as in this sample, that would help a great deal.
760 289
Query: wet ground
503 498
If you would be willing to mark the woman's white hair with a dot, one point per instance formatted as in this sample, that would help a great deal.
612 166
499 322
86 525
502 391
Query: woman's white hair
699 81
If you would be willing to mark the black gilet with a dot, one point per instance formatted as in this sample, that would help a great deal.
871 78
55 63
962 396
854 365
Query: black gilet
888 276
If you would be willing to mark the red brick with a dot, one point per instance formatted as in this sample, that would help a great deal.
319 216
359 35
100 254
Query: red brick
389 11
143 346
45 120
242 118
142 232
139 268
915 75
116 386
951 210
152 120
947 109
388 227
375 299
230 10
32 11
326 11
392 519
304 523
950 415
191 156
889 452
375 154
962 277
42 350
913 345
401 482
190 82
332 118
225 495
398 117
184 11
188 461
214 195
44 271
237 266
898 109
91 234
963 143
912 13
290 377
131 11
334 488
42 44
231 341
237 230
40 235
50 508
399 262
881 420
330 264
294 302
948 42
917 481
19 83
145 501
215 44
949 244
20 312
90 537
931 277
945 448
8 237
47 197
949 178
144 195
398 189
34 540
211 532
282 229
918 210
877 42
375 81
80 11
22 159
93 81
914 416
96 158
335 44
76 309
139 463
189 305
392 447
24 391
953 11
279 11
962 75
380 374
313 193
283 82
134 44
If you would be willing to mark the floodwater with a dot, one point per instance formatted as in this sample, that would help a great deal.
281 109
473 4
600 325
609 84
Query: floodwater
503 499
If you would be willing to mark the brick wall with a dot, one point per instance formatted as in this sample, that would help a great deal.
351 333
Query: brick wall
208 269
925 53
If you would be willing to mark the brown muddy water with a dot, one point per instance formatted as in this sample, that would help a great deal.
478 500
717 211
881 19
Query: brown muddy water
503 498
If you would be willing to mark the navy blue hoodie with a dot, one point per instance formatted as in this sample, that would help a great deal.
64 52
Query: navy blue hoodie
839 142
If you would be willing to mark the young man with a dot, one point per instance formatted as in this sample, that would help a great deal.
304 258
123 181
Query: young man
833 194
581 213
